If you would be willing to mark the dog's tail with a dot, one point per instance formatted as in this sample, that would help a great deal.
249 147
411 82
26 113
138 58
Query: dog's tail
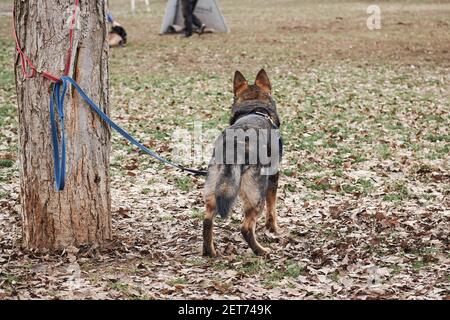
227 188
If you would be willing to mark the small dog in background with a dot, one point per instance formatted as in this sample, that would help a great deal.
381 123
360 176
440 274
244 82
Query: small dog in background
246 172
117 36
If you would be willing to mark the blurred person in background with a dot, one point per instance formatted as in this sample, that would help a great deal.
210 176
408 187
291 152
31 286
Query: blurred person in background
190 19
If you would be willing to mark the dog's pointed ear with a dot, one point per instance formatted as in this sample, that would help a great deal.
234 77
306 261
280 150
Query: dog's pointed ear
263 82
239 83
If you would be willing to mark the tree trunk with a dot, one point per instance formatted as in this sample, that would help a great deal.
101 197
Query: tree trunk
81 213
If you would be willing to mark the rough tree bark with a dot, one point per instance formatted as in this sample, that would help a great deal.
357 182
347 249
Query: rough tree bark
81 213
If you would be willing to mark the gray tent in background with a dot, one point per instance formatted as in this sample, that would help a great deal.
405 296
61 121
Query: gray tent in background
207 11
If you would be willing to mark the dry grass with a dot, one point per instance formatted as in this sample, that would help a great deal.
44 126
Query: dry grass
364 199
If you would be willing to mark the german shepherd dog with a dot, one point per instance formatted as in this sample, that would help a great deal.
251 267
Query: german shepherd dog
253 110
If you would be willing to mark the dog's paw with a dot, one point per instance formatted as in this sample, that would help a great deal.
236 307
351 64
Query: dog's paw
272 228
209 252
263 252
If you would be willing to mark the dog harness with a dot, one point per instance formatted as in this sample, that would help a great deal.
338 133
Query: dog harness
261 111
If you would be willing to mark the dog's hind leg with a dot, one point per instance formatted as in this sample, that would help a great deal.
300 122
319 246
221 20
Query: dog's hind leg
248 230
208 243
271 198
253 191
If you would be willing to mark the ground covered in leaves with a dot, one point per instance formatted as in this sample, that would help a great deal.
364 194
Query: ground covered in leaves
364 201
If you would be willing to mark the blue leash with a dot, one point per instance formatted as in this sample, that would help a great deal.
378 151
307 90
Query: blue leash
57 97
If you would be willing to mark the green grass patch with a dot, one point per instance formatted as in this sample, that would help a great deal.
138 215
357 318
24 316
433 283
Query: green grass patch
317 183
398 192
9 279
183 183
290 187
177 281
292 270
437 137
197 214
6 163
384 151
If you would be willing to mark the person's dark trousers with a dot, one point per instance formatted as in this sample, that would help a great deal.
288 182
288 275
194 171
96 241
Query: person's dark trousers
190 19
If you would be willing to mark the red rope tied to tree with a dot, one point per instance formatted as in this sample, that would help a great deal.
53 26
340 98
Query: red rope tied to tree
28 68
72 27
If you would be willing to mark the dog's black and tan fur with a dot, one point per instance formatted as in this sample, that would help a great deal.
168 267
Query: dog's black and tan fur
254 109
